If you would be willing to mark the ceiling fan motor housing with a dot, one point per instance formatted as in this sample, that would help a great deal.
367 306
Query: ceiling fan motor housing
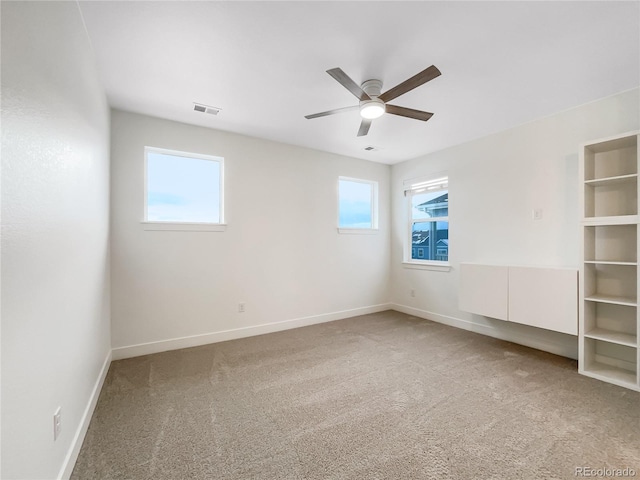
372 87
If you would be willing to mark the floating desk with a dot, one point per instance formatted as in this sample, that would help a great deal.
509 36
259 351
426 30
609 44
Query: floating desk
543 297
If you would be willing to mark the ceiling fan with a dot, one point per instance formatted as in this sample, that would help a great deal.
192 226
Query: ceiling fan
373 104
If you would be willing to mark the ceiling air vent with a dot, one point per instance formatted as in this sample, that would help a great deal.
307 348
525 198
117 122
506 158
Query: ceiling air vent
198 107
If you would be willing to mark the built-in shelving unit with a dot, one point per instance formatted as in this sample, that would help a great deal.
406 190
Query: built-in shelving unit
608 310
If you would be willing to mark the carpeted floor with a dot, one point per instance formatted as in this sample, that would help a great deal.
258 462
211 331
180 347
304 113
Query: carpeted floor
381 396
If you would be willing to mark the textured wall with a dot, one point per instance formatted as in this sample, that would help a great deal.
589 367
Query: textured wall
281 253
55 248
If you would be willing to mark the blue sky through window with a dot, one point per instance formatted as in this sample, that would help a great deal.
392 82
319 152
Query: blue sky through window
182 189
355 204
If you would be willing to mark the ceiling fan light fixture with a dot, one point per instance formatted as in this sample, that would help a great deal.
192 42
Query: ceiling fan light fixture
371 109
373 104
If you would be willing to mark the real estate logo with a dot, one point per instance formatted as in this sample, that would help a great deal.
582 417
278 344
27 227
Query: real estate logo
604 472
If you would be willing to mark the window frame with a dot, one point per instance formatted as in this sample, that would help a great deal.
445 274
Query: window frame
183 226
374 208
416 186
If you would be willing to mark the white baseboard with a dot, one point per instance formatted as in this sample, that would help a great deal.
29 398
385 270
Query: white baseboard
76 443
215 337
564 350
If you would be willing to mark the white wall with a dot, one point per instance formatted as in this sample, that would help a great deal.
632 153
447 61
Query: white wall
55 250
281 253
495 183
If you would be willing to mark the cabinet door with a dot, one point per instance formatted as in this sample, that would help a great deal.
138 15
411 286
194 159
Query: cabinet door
544 297
484 290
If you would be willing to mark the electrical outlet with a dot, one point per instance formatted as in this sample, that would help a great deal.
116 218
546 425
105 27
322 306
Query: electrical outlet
413 292
241 307
57 423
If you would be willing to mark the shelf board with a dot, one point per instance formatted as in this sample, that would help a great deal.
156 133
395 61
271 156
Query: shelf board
598 182
617 142
612 336
624 378
615 299
611 220
610 262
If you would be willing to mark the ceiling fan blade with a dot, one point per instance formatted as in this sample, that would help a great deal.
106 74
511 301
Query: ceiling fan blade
413 82
347 83
364 127
408 112
331 112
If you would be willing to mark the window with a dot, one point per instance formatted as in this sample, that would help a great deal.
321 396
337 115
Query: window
428 232
183 188
357 205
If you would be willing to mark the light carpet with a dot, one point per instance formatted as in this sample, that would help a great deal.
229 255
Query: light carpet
380 396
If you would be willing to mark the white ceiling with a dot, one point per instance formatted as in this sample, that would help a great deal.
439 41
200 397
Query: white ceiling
264 63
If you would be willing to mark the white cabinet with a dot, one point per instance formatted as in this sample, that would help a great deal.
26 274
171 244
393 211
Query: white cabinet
484 290
543 297
608 308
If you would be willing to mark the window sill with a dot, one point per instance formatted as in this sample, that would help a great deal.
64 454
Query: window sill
435 266
358 231
184 227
